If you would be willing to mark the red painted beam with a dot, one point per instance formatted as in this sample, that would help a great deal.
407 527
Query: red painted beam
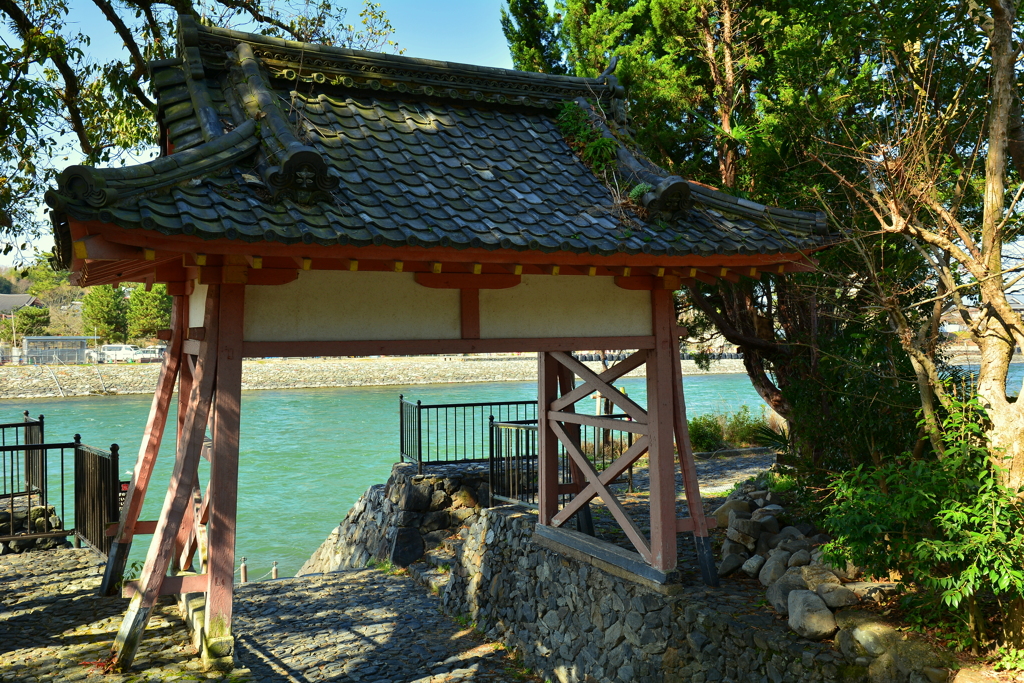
406 347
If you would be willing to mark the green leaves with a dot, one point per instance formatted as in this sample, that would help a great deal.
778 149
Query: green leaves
946 523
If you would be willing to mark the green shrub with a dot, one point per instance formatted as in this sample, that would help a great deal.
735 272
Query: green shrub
705 433
639 191
742 428
945 523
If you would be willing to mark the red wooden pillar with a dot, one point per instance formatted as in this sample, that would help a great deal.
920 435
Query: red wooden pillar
148 451
224 475
547 442
584 519
660 404
126 643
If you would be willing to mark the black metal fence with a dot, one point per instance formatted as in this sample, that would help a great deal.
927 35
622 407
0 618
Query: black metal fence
97 495
453 432
55 490
513 461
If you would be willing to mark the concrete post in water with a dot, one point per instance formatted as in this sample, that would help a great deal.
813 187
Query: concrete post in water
244 569
273 571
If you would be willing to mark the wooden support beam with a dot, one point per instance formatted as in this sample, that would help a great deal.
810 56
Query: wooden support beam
606 378
142 528
149 449
566 383
632 531
223 492
660 361
469 311
547 442
129 636
633 427
436 346
628 405
171 585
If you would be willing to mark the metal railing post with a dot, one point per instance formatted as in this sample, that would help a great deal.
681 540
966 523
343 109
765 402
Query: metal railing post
419 437
401 428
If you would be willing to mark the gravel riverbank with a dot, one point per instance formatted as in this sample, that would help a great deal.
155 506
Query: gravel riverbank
40 381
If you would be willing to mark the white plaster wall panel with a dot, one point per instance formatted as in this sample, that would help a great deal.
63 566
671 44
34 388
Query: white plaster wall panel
197 306
564 306
334 305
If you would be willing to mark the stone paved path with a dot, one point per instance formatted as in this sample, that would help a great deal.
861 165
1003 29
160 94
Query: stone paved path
54 626
358 625
355 626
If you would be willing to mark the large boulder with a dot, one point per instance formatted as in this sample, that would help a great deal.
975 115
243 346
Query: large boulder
722 513
778 592
414 497
752 567
773 569
873 591
810 616
836 595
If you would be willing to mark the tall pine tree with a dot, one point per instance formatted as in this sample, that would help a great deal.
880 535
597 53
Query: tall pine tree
533 36
148 311
104 313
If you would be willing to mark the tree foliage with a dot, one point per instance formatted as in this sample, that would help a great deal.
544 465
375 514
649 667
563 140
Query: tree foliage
28 320
104 313
148 312
61 106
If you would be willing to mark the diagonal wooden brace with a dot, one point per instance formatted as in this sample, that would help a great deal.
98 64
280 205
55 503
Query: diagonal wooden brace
129 636
606 378
621 516
609 475
150 447
594 383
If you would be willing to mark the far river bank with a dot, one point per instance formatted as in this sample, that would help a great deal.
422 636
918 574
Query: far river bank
40 381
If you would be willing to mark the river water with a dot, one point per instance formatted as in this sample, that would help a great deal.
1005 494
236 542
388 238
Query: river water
306 455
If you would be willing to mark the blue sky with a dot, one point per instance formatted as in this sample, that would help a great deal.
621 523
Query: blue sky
467 31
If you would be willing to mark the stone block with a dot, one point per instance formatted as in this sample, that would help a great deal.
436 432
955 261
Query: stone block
738 536
875 591
432 521
414 497
809 616
799 558
816 575
730 547
464 498
770 524
722 513
747 527
407 547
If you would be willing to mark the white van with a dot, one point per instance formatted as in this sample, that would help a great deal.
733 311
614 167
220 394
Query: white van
112 353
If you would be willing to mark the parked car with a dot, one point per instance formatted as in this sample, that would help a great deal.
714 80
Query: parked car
112 353
152 354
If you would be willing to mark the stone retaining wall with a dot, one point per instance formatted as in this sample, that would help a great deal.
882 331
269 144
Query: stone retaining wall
399 520
36 381
580 620
576 623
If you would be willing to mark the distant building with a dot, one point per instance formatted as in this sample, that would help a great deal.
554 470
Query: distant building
51 350
10 303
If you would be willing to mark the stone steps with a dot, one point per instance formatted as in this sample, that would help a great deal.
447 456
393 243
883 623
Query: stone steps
433 570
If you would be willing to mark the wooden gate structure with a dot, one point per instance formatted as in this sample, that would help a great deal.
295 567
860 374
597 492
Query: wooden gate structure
319 201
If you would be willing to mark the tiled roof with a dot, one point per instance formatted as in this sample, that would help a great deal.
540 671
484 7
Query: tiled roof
12 302
284 142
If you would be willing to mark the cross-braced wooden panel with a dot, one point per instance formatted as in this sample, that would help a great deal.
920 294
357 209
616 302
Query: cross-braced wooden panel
661 430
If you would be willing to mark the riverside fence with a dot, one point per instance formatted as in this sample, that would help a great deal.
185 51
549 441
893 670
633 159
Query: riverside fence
43 486
453 432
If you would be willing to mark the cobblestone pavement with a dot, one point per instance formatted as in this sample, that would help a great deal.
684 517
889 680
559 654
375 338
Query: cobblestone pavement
364 626
55 627
358 625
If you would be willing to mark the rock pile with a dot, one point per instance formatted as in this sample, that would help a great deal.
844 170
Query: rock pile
812 594
30 520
